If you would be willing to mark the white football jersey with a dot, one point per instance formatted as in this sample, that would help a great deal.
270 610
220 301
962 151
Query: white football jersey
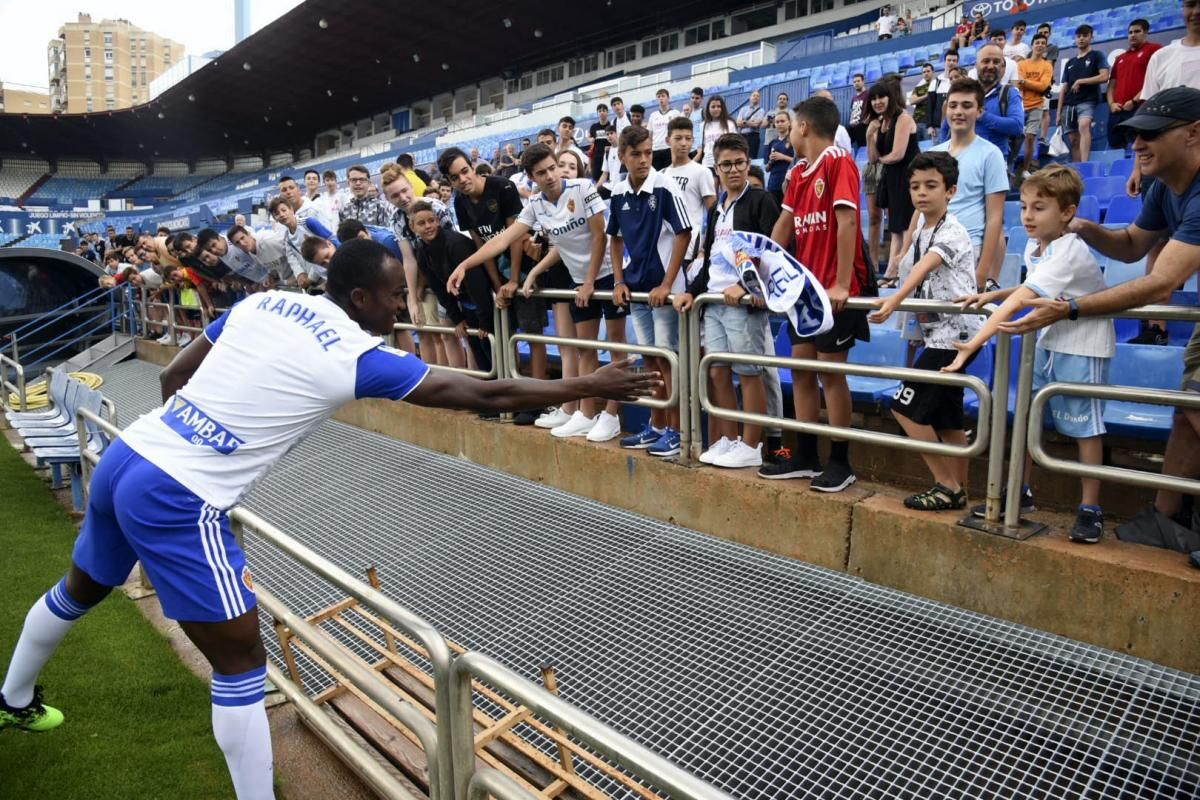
280 365
566 225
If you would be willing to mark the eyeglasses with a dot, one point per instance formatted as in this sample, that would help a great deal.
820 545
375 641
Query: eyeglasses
1150 136
359 180
731 166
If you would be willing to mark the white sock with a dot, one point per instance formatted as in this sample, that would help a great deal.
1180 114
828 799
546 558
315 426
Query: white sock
46 624
239 720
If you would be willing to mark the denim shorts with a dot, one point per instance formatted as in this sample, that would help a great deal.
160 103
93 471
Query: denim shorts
735 329
656 327
1077 417
1072 115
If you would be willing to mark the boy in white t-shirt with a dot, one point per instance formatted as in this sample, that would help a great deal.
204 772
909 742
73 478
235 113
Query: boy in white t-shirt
696 187
1059 265
943 268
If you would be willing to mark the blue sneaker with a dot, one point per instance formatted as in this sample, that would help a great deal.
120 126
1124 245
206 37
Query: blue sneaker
642 439
667 444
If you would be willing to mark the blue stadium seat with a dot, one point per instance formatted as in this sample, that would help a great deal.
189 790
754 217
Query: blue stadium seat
1089 208
1086 169
1122 167
887 348
1106 157
1119 272
1145 366
1123 209
1104 189
925 144
1017 237
1010 272
1012 213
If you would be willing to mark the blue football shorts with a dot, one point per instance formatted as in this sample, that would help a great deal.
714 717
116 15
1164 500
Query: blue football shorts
136 512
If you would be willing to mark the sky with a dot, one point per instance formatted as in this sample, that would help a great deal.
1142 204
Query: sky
27 26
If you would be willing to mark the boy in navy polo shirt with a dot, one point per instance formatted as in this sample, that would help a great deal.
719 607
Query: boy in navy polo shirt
1081 93
649 223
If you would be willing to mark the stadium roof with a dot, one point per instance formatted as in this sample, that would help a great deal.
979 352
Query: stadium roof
330 62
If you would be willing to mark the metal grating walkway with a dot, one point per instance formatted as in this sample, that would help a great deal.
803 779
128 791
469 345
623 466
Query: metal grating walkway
768 677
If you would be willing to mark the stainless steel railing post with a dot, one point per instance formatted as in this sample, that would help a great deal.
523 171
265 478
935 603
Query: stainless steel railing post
1016 456
695 376
684 382
1132 394
1000 394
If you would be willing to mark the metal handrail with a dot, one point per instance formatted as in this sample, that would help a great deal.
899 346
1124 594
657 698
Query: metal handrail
1132 477
53 314
446 330
621 750
7 386
488 782
366 766
102 319
854 434
617 347
680 362
437 651
364 679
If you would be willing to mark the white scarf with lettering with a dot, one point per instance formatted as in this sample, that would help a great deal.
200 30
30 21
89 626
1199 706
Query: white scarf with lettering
764 268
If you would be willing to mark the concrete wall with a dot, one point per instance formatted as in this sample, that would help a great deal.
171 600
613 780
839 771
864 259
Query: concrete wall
1134 599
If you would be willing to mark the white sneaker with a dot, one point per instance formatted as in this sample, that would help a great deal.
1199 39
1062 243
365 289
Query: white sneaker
578 425
164 339
608 426
184 339
740 455
552 419
717 450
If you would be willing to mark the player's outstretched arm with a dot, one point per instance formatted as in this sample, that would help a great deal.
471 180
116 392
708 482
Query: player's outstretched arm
183 365
616 381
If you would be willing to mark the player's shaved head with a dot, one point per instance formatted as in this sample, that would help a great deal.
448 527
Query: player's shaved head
367 281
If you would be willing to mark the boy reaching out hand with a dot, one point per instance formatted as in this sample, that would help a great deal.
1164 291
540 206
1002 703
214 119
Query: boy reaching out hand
942 268
1059 265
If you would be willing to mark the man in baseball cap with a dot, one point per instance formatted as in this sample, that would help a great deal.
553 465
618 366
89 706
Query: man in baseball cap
1169 109
1166 144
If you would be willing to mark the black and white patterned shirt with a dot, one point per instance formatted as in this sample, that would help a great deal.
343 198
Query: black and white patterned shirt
367 210
400 226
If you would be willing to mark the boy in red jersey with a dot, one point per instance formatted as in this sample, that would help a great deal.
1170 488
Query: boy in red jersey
820 209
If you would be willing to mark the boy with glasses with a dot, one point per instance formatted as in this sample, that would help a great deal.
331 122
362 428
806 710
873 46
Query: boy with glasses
732 327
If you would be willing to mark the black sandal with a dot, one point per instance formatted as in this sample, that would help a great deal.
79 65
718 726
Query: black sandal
937 498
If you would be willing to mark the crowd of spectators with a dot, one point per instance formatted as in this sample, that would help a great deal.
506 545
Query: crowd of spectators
640 204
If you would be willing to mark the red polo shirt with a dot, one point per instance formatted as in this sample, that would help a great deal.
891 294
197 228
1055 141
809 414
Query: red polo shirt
1129 71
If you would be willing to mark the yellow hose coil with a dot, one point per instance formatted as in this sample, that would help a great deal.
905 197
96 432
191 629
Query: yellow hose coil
38 396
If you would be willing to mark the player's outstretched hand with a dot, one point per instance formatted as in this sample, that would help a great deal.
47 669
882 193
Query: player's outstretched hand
618 381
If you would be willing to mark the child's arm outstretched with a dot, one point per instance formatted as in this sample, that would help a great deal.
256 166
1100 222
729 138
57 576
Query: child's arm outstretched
1015 298
920 271
531 280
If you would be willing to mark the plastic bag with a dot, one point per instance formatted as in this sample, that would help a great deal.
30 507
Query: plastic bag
1057 146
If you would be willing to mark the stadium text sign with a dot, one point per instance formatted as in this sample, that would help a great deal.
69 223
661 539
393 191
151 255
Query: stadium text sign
991 8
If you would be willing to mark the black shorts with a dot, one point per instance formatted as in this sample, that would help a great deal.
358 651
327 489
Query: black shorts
848 326
940 407
531 314
600 308
557 277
